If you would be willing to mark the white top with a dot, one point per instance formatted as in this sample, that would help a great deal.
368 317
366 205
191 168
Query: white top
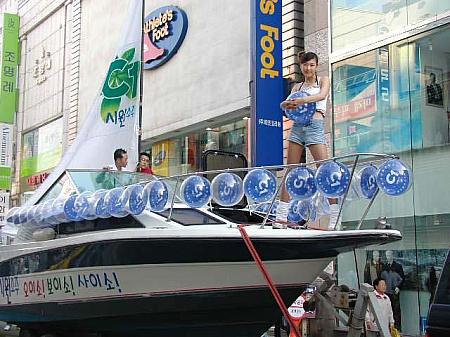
313 90
386 310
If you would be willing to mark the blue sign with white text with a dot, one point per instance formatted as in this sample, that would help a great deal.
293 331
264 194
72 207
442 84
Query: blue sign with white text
267 85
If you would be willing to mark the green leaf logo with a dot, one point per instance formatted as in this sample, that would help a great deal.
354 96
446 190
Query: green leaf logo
122 79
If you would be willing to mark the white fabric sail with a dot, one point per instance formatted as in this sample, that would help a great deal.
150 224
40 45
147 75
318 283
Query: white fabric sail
113 119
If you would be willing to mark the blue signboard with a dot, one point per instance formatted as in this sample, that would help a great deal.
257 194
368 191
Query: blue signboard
267 85
164 31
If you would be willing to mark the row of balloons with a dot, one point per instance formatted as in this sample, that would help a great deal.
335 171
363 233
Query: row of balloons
306 187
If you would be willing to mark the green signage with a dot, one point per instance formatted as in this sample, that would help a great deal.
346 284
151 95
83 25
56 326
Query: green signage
9 65
5 178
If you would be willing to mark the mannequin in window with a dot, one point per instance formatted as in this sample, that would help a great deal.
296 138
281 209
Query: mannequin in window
434 91
394 276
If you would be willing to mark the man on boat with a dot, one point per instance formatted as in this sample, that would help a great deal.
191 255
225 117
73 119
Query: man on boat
108 179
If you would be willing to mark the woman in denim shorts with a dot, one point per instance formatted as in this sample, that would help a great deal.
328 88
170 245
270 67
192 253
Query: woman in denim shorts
313 135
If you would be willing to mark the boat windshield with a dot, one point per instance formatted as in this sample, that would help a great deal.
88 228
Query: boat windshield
78 181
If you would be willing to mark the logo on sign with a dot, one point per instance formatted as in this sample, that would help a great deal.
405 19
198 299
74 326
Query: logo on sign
164 31
121 81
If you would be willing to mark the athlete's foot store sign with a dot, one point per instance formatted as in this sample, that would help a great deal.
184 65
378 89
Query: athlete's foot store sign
164 31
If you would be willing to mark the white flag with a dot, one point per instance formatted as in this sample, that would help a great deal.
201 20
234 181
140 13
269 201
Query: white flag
113 120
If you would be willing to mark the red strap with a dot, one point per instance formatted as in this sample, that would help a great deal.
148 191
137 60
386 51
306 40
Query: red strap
266 275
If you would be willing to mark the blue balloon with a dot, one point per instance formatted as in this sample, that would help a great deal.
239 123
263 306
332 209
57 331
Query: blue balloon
116 201
196 191
31 211
304 208
368 181
303 114
12 216
158 195
56 213
394 177
100 205
137 200
47 212
264 207
260 185
333 179
227 189
84 207
39 215
23 215
70 211
322 204
300 183
293 212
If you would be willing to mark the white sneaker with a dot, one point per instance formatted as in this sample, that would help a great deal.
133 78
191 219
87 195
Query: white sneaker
281 216
334 224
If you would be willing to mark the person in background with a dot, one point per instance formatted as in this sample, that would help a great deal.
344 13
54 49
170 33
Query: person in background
144 163
385 304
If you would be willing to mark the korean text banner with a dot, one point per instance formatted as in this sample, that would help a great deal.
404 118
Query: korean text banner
9 63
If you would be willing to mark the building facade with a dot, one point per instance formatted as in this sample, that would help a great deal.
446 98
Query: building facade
198 100
390 66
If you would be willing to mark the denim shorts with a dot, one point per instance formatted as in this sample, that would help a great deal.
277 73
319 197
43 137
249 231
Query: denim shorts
312 134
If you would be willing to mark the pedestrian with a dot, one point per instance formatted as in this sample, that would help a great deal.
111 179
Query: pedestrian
311 136
385 305
144 163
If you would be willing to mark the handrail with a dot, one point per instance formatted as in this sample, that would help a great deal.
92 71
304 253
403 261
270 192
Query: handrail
358 158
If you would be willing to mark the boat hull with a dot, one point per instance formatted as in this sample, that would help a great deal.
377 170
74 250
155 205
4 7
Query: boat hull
154 286
232 312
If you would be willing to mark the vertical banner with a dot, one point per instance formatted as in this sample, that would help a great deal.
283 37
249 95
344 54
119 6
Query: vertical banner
113 119
6 140
9 63
267 83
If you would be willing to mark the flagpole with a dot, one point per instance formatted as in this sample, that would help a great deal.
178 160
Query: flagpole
141 79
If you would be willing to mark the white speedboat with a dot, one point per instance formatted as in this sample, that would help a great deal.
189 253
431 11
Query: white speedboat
182 271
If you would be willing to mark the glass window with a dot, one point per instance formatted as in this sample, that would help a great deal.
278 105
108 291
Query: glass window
191 217
356 21
395 99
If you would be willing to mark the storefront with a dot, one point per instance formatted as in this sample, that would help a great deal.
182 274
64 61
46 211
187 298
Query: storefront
41 152
196 94
184 153
392 95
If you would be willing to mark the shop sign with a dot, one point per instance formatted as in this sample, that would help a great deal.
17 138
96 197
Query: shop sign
160 160
268 89
164 32
42 64
6 142
37 179
41 149
9 65
4 205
